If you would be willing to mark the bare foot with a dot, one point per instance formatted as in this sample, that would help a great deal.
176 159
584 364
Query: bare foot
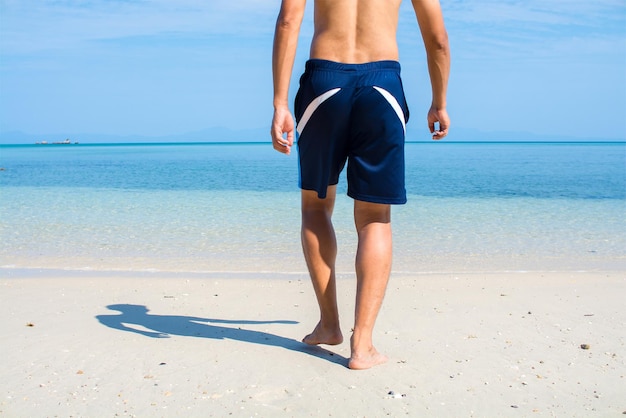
323 336
366 360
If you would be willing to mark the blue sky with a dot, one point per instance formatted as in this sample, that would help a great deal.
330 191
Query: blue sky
165 68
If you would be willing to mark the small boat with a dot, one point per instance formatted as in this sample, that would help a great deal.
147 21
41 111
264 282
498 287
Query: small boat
66 142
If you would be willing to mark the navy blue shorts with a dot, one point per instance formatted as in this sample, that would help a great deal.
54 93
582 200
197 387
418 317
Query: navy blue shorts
355 113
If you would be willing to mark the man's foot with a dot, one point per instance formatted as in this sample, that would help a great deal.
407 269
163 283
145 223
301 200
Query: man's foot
324 336
362 361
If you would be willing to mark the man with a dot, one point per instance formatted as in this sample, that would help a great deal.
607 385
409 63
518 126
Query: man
351 106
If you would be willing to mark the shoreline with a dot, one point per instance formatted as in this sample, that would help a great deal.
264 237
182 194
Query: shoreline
460 344
13 272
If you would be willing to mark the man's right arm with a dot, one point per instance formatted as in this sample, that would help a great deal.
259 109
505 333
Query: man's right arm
284 52
430 20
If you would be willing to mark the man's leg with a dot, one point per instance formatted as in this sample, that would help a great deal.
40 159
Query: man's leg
320 252
373 266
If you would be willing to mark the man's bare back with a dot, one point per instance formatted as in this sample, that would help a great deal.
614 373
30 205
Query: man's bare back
355 31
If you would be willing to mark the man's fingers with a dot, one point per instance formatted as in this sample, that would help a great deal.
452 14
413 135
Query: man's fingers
285 149
282 131
438 123
280 143
290 138
440 133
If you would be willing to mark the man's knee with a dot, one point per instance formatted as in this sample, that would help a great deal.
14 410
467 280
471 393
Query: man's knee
313 206
366 213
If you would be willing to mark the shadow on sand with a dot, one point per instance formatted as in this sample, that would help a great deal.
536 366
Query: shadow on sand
164 326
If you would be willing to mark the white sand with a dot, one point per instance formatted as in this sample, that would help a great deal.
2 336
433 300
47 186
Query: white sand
483 345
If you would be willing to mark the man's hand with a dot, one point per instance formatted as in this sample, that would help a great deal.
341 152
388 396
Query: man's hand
282 123
439 116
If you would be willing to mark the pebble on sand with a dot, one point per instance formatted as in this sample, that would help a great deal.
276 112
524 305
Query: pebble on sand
395 395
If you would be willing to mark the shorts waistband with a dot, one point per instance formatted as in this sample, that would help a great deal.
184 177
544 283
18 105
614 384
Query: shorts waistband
315 64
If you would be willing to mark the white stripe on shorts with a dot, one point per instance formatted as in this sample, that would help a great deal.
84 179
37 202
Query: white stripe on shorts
394 104
313 106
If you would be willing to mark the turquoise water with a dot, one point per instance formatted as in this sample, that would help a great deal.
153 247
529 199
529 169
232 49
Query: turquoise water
235 208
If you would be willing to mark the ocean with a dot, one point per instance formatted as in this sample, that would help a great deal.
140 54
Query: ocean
217 207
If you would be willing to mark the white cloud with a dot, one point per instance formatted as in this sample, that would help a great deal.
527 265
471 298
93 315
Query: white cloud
510 29
48 25
554 12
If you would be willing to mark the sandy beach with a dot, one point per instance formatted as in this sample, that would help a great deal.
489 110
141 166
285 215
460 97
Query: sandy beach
95 344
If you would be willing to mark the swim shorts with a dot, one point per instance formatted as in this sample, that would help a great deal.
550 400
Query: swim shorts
355 113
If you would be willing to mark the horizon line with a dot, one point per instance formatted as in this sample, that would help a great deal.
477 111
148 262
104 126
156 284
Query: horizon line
135 143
